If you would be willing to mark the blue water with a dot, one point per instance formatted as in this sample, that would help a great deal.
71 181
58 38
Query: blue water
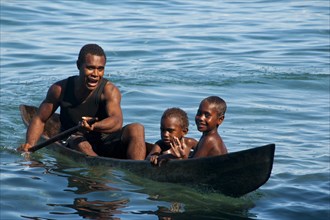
268 59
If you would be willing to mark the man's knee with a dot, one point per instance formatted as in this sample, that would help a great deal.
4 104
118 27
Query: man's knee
134 129
75 140
137 126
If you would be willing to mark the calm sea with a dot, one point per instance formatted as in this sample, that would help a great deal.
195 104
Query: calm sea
268 59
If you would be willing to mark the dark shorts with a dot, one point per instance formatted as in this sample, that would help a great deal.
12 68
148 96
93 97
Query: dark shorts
106 145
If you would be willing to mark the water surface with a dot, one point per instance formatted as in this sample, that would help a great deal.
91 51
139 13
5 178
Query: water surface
268 60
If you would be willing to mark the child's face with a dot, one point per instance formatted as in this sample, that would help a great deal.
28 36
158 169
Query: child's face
170 127
207 117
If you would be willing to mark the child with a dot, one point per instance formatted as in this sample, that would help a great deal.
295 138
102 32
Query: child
173 127
210 115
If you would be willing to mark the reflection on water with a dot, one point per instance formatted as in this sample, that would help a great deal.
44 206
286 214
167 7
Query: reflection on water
84 185
185 201
174 201
94 209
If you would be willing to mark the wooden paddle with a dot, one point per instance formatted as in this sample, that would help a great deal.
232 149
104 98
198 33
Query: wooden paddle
60 136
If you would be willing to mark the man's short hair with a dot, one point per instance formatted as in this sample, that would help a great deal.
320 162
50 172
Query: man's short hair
93 49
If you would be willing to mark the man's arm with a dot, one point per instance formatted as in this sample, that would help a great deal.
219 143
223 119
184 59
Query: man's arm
45 111
114 121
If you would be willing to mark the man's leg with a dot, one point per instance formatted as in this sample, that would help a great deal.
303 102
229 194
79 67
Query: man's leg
133 137
79 143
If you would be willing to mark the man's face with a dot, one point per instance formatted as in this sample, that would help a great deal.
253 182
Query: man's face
92 70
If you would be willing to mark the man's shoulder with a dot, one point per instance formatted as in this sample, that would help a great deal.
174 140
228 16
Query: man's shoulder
110 86
108 82
58 87
63 82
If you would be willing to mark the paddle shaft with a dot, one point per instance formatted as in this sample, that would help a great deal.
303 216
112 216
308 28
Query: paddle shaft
59 136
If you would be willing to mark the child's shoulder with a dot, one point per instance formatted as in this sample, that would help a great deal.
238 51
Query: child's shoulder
210 140
214 144
190 142
214 137
161 145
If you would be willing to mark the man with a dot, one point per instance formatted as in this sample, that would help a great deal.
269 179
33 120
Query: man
82 97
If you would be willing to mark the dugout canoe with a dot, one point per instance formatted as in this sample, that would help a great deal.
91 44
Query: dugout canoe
234 174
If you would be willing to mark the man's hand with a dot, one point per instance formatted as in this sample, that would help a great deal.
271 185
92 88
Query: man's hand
87 124
24 147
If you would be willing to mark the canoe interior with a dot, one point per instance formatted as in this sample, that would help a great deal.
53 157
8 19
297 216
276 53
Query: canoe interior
234 174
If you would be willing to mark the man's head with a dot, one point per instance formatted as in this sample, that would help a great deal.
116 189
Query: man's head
92 49
91 65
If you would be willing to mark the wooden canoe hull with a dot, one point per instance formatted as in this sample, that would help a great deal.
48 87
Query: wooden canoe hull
234 174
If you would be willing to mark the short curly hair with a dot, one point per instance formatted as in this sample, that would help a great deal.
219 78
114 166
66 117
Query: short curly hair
93 49
179 114
219 103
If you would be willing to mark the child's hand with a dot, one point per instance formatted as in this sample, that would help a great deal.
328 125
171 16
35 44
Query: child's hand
178 148
154 159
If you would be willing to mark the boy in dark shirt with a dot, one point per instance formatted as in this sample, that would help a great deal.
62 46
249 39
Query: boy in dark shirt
173 127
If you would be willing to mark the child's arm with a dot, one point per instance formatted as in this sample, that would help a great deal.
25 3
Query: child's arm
156 150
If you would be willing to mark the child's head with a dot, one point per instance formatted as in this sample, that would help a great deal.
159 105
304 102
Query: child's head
174 123
211 113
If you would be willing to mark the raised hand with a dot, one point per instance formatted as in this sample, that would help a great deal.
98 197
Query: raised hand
178 148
